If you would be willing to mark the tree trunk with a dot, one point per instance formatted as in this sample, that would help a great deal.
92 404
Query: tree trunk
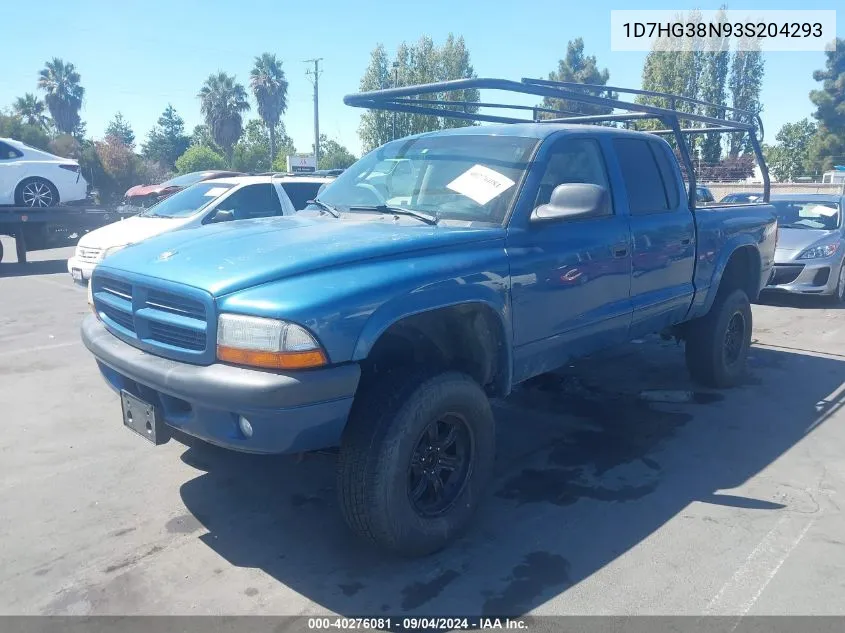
272 146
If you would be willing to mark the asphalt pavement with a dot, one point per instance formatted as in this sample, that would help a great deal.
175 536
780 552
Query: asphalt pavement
607 500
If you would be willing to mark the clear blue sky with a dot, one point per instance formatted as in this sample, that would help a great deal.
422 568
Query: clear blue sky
135 57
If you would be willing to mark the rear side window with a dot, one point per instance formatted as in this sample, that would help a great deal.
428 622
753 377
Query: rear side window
253 201
301 192
643 181
669 174
7 152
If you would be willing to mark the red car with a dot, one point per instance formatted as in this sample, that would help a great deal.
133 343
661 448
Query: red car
148 195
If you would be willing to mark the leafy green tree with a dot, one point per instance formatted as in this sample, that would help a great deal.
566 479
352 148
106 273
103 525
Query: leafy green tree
333 155
790 157
122 166
576 67
64 94
714 77
199 158
120 128
202 136
167 141
32 110
418 63
745 83
222 102
14 127
252 152
66 146
268 83
828 148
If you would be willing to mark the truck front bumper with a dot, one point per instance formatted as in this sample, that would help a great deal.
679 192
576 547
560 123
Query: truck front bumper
288 412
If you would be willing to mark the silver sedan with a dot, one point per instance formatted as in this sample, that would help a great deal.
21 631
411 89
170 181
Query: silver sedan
811 245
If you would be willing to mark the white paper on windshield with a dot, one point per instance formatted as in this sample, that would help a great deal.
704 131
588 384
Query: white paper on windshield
215 191
481 184
822 210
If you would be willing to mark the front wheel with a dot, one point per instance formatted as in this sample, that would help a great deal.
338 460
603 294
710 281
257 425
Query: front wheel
36 192
717 344
838 295
416 456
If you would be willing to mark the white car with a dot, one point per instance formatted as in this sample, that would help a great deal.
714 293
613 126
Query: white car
31 177
218 200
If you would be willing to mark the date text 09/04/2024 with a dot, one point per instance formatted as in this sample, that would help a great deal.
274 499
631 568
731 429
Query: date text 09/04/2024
416 623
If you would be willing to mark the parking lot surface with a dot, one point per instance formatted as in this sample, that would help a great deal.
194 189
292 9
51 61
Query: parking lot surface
607 500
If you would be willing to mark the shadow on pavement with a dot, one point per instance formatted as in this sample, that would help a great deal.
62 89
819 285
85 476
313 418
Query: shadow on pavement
44 267
586 470
807 302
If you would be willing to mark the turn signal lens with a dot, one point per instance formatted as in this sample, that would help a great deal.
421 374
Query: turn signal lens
269 343
271 360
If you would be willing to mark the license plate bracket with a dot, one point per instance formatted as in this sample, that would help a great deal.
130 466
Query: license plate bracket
76 273
143 419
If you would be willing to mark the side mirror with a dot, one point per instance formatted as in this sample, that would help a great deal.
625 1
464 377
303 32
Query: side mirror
222 215
574 201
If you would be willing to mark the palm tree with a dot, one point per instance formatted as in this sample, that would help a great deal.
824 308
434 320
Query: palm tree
222 101
31 109
268 83
64 94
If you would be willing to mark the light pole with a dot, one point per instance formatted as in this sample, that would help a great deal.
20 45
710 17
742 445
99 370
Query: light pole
395 85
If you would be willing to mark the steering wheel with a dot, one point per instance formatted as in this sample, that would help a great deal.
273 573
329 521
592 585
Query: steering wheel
372 192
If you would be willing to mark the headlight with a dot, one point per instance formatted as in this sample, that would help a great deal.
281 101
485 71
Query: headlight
825 250
113 249
270 343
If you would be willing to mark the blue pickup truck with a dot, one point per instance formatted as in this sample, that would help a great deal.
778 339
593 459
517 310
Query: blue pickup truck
381 321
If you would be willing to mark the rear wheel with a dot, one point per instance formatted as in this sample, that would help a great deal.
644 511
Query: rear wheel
717 344
36 192
416 457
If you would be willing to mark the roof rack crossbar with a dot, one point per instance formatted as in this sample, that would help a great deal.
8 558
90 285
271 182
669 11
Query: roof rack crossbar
747 114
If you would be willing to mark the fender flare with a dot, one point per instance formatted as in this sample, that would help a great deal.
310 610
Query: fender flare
435 298
743 240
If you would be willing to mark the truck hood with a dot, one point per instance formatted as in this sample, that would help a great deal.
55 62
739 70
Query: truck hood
792 242
224 258
129 231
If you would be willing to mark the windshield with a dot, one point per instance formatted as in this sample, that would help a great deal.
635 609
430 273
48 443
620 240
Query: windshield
462 177
186 180
805 214
188 201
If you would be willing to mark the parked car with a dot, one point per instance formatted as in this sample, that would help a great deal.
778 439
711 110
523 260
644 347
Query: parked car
148 195
810 256
742 198
209 201
31 177
703 195
380 321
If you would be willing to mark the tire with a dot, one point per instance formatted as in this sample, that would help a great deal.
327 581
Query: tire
838 295
717 344
36 192
385 450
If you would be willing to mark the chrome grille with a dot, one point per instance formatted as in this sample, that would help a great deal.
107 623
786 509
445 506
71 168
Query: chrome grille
87 254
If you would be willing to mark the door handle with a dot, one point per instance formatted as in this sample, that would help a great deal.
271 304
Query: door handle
686 241
620 251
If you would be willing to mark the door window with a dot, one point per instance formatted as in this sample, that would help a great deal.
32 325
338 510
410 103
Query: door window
7 152
252 201
576 160
640 171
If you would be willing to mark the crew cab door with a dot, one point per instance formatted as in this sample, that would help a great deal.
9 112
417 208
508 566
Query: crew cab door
662 232
570 277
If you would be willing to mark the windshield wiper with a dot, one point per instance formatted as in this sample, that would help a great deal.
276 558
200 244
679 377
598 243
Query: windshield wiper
326 207
384 208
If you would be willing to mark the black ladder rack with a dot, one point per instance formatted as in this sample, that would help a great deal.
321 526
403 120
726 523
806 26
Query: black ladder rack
411 100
